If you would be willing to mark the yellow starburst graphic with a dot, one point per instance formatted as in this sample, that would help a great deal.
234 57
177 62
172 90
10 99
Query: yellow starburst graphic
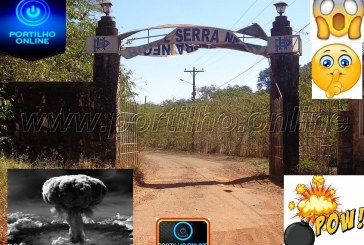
315 200
300 189
318 180
291 205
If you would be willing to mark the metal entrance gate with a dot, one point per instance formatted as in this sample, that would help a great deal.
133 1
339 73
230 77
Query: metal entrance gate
127 143
318 136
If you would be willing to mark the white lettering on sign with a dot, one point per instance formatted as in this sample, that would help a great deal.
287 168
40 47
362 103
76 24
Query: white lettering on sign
32 37
186 39
170 49
201 35
197 35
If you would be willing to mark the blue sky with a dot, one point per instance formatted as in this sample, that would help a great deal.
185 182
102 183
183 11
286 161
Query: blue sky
159 78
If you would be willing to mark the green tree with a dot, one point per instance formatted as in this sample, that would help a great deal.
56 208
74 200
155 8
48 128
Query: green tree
5 112
305 85
305 73
127 84
206 92
264 81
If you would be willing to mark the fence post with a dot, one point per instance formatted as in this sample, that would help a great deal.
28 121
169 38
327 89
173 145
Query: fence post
284 104
105 78
345 143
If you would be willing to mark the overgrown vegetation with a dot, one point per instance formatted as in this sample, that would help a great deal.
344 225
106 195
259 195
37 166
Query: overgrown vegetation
235 121
221 118
6 112
309 166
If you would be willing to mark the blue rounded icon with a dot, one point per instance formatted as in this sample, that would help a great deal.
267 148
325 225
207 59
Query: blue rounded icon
33 12
180 231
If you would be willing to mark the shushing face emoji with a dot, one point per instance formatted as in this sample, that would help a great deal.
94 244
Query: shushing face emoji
336 68
338 17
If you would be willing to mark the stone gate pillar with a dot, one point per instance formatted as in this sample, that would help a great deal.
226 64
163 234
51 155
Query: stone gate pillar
105 78
284 110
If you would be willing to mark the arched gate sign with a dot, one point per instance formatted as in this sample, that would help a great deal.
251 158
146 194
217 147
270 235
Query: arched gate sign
282 48
185 39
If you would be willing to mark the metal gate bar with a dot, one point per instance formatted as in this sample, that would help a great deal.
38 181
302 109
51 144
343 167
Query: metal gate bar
318 134
127 140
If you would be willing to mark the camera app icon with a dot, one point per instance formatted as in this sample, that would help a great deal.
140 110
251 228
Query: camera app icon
183 231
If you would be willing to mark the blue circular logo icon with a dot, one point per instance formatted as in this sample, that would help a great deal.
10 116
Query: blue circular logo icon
33 12
183 231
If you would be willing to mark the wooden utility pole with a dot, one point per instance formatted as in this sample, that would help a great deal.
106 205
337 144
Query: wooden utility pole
193 72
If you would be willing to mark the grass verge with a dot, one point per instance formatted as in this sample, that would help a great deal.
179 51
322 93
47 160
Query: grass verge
262 163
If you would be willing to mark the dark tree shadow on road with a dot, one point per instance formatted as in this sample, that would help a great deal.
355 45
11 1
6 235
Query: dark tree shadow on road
240 181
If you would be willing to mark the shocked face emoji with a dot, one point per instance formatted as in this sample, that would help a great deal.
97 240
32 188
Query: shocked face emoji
338 17
336 68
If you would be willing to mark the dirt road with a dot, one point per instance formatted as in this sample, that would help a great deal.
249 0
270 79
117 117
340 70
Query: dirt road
244 207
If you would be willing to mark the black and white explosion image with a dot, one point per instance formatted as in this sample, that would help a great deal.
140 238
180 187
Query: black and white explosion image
70 207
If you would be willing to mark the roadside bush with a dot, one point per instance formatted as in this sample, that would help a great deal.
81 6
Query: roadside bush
309 166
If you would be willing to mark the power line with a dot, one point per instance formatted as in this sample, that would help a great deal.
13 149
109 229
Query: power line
230 28
269 4
292 3
213 55
295 34
226 54
246 11
242 72
250 68
302 33
303 28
